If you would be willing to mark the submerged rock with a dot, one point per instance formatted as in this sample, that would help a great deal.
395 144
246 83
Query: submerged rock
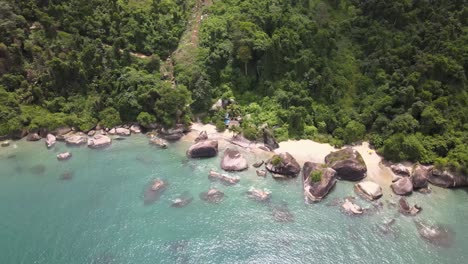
403 186
318 180
351 208
212 196
282 214
99 141
437 235
38 169
283 164
447 179
201 137
33 137
258 164
261 173
225 179
406 209
400 169
66 176
50 140
203 149
182 201
347 163
158 142
419 177
233 161
369 190
154 191
259 194
64 156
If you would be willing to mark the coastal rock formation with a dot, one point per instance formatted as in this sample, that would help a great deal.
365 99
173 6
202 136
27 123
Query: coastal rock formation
419 177
201 137
347 163
91 133
99 141
171 134
447 179
403 186
212 196
135 129
122 131
203 149
258 164
64 156
269 140
61 132
225 179
233 161
400 169
154 191
5 143
283 164
76 139
158 142
406 209
50 140
318 180
351 208
33 137
437 235
259 194
369 190
112 131
261 173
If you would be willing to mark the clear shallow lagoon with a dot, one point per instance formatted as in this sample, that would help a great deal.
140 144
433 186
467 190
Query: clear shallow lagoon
99 216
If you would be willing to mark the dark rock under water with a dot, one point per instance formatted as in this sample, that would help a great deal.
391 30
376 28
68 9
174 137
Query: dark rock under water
38 169
152 194
281 213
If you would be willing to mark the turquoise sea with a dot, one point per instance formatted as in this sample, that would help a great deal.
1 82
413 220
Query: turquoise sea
99 215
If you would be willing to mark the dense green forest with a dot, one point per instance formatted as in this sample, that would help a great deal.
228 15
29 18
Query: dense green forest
338 71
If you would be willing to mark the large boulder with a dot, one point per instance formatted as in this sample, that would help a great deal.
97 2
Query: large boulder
33 137
369 190
201 137
316 189
233 161
283 164
203 149
403 186
447 179
420 176
172 133
400 170
50 140
121 131
61 132
348 164
135 129
64 156
99 141
269 140
76 139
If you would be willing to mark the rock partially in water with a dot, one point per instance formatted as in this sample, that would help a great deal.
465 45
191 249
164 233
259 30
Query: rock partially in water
171 134
154 191
281 213
76 139
347 163
233 161
283 164
50 140
33 137
203 149
318 180
351 208
400 169
135 129
213 195
99 141
403 186
158 142
259 194
447 179
64 156
437 235
38 169
369 190
201 137
182 201
406 209
419 177
66 176
224 179
258 164
5 143
261 173
122 131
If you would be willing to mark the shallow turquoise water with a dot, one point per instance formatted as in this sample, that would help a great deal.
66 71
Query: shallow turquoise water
99 216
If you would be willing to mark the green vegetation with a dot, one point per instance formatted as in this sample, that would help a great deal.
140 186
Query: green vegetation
276 160
315 176
337 71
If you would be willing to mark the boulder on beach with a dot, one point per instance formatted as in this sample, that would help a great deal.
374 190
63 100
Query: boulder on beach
203 149
225 179
348 164
99 141
406 209
50 140
201 137
261 173
233 161
213 195
419 177
318 180
33 137
158 142
76 139
259 194
171 134
5 143
400 170
437 235
369 190
351 208
135 129
283 164
258 164
121 131
447 179
64 156
403 186
269 140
